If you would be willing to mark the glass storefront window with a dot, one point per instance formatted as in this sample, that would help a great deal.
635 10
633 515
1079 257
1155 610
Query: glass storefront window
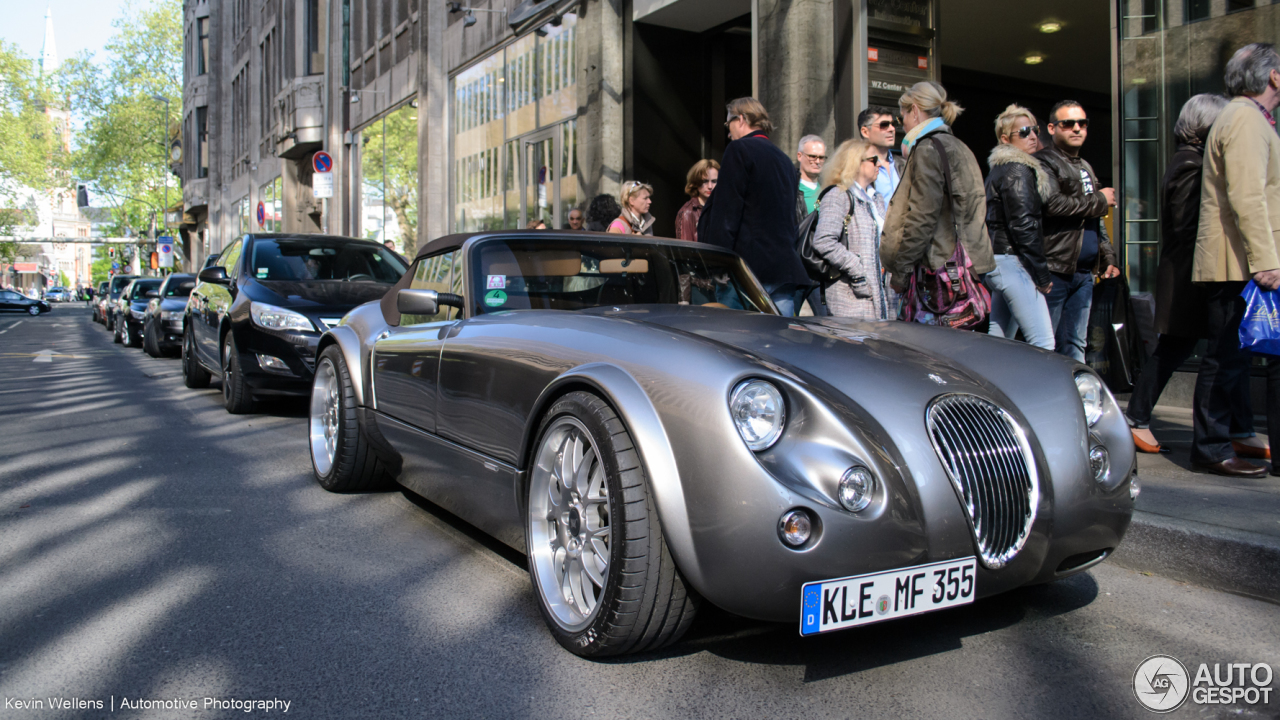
389 178
499 172
271 196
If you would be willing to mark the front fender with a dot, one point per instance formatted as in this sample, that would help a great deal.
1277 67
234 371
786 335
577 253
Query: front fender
348 343
641 418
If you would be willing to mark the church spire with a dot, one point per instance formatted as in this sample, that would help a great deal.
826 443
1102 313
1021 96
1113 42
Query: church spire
48 56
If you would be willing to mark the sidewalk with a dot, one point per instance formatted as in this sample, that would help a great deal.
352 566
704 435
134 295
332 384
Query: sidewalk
1211 530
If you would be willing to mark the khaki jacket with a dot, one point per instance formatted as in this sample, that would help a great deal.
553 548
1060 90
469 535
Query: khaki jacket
919 228
1239 197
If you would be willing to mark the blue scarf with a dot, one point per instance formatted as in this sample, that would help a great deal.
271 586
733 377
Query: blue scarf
918 132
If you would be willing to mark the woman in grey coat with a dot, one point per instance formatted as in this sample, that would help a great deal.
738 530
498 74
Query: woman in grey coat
850 217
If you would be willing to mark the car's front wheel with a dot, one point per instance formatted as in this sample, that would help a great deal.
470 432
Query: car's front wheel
193 373
605 581
236 395
341 457
33 310
149 344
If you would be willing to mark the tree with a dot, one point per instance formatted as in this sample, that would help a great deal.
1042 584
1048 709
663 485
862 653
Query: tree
401 193
31 151
123 147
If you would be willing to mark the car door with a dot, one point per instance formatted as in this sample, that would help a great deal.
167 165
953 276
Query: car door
406 362
9 301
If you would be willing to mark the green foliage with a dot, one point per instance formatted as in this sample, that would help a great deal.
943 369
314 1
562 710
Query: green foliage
101 265
31 150
402 169
122 150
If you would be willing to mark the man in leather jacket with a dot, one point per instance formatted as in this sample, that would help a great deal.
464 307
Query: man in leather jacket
1076 245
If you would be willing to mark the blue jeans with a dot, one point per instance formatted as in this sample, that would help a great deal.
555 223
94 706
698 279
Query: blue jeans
787 296
1015 302
1069 303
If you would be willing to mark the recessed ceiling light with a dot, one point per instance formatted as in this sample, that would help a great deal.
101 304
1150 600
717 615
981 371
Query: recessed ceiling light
1139 81
1050 26
1033 59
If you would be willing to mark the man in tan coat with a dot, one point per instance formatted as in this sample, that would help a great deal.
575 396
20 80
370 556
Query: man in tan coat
1238 240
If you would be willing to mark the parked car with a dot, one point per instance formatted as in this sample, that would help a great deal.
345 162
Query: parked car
96 302
636 417
162 329
111 297
11 301
131 310
57 294
256 319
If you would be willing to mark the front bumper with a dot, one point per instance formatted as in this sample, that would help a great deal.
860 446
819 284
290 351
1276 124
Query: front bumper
297 350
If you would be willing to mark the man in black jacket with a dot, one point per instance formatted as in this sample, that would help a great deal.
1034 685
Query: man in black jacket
1076 245
752 209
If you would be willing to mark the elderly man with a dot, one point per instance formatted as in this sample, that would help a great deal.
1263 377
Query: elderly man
1236 242
811 155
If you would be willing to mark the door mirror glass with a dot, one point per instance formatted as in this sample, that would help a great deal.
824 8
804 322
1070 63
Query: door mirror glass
216 275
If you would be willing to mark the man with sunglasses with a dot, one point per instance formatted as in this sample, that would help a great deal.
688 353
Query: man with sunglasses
1076 245
880 129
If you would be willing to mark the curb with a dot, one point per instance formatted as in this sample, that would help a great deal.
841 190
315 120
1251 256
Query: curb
1221 558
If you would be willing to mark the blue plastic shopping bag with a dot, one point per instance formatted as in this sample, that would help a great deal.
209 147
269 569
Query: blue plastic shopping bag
1260 328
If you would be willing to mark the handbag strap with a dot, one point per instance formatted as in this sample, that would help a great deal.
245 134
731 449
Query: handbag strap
952 266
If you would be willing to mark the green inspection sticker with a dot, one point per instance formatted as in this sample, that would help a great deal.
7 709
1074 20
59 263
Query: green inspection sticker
494 298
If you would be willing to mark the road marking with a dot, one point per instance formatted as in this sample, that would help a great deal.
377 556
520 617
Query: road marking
44 356
10 327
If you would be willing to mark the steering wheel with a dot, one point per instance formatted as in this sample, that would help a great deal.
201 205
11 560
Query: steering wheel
360 276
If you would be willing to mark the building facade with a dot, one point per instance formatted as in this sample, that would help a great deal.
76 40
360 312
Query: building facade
448 117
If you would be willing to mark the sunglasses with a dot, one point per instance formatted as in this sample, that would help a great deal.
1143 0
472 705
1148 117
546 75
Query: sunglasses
1071 124
1024 132
883 124
871 159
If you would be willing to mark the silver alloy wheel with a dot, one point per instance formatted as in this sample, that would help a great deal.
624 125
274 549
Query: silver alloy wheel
569 524
33 310
325 408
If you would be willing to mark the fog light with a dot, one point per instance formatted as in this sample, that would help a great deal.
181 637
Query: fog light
857 486
1099 462
1133 488
268 362
795 527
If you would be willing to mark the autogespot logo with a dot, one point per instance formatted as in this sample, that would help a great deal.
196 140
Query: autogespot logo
1161 683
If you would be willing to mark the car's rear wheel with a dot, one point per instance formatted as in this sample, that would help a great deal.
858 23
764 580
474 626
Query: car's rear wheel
149 345
115 333
341 457
33 310
236 395
193 373
605 581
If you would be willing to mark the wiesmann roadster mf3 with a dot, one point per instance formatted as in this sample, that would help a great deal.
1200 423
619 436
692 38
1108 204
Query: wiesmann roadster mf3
636 416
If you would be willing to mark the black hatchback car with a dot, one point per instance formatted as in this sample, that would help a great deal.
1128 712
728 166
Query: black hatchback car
11 301
131 310
109 300
162 328
256 318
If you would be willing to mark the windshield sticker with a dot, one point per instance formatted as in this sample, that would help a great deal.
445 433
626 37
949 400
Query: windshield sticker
496 282
495 298
263 272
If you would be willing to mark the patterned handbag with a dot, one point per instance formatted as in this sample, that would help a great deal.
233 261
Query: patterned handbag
950 296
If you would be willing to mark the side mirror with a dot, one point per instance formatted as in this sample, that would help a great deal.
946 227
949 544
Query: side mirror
153 294
417 302
216 275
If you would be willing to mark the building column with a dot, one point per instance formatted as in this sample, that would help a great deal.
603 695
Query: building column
797 54
433 138
601 142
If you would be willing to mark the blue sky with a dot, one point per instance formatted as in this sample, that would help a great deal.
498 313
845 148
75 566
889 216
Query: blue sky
77 24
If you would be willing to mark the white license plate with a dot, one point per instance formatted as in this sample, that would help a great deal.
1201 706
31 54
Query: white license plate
864 599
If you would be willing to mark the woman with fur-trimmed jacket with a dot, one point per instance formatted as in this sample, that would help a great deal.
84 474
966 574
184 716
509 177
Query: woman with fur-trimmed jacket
850 217
1015 191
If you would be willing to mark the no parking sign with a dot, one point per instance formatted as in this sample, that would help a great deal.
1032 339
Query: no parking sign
164 248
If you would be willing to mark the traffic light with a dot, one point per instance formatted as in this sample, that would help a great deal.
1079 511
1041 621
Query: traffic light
111 253
82 196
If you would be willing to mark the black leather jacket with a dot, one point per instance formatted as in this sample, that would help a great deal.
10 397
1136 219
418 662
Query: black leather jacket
1066 208
1013 209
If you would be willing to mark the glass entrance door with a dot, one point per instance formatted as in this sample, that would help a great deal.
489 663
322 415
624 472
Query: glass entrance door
540 178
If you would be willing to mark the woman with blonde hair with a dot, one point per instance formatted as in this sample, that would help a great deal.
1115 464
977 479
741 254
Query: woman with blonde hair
635 219
1016 189
850 215
939 201
699 183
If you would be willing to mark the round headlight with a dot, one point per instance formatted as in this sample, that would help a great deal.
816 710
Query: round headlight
758 412
795 527
857 486
1099 462
1091 393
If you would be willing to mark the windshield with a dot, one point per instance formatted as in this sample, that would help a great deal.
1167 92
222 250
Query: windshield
313 259
577 274
117 285
179 288
142 287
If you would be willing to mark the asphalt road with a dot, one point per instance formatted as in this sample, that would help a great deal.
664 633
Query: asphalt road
153 546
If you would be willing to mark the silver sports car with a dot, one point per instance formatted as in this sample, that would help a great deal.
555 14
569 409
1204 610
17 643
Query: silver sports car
636 416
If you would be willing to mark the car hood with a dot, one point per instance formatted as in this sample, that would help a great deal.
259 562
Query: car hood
319 295
174 303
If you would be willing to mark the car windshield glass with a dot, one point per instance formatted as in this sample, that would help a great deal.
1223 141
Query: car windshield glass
117 285
577 274
314 259
142 287
179 289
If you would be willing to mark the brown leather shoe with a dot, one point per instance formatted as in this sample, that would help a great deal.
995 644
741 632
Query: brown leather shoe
1231 467
1251 451
1144 441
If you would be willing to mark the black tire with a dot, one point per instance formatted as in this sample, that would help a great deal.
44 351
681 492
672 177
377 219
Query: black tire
108 322
237 398
149 345
115 333
33 310
127 337
644 603
194 375
355 466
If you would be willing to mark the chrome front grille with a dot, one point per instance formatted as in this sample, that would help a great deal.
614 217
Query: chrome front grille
989 461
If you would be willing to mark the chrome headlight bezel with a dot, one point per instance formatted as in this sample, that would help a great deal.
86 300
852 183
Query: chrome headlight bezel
755 401
278 318
1093 396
